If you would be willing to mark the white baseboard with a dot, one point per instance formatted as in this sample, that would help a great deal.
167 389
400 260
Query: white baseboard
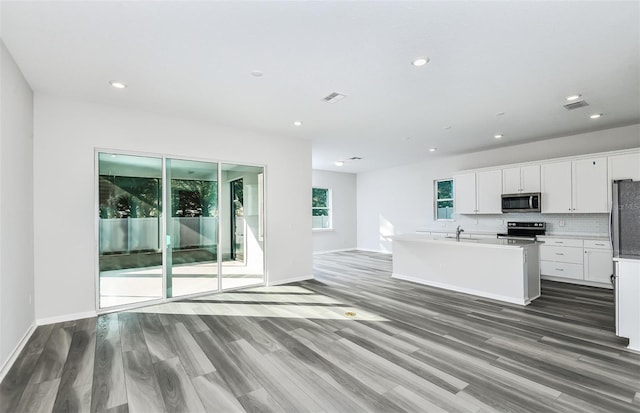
330 251
16 351
578 282
66 317
462 290
372 250
291 280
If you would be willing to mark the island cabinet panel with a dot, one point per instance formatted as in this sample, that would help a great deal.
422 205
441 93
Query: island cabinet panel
469 266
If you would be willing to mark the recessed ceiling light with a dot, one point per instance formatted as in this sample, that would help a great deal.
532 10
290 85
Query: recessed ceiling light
421 61
297 123
339 163
573 97
433 149
117 85
498 135
256 73
596 115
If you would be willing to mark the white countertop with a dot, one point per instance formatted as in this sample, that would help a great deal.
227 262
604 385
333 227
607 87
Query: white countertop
453 231
623 259
481 242
576 236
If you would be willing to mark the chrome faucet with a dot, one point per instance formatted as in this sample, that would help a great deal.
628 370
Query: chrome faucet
458 231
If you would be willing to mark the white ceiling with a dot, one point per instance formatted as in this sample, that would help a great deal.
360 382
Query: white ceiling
194 59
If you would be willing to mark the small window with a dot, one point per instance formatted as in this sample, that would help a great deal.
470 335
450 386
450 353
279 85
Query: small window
444 200
321 208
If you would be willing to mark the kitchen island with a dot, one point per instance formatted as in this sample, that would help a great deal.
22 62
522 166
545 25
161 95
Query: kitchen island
500 269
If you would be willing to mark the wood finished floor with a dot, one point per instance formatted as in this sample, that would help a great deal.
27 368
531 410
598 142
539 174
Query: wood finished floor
409 348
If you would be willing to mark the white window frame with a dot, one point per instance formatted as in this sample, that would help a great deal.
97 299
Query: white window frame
436 200
328 208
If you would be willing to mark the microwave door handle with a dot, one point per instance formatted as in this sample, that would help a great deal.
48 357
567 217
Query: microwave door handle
530 201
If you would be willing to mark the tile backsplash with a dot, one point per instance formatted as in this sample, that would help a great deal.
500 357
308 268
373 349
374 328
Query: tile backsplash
574 224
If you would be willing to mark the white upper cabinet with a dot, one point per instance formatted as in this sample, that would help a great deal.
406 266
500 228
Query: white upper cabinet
625 166
575 186
521 179
478 192
589 179
488 192
511 181
530 176
556 187
464 189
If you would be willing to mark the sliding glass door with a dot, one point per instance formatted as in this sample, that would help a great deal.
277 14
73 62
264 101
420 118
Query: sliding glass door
192 265
168 227
242 238
129 227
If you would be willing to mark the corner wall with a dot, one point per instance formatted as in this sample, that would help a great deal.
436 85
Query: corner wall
400 200
66 134
16 207
343 235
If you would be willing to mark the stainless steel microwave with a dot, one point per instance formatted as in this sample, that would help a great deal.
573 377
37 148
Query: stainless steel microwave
529 202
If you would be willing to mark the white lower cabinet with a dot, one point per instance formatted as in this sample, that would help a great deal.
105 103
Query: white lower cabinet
582 261
561 269
598 261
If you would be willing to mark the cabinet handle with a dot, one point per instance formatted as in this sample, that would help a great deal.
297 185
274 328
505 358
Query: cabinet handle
559 242
601 245
559 269
559 253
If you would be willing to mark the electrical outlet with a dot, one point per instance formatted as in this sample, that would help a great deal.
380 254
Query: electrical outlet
561 223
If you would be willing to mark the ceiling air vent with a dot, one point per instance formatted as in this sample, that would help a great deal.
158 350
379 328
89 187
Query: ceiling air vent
576 105
355 158
333 97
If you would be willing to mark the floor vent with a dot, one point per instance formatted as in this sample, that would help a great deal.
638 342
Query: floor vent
350 314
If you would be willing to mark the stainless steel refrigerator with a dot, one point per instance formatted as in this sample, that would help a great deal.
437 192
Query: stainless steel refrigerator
625 237
625 222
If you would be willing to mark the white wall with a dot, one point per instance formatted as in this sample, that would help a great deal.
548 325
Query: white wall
343 189
400 200
16 206
66 133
